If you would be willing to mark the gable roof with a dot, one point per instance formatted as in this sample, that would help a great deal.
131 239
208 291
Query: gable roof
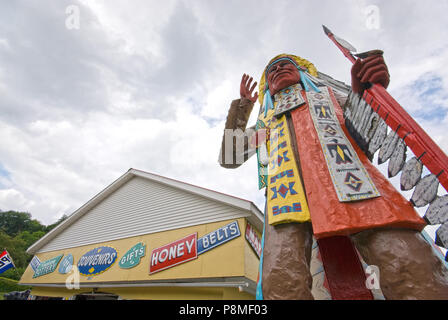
242 207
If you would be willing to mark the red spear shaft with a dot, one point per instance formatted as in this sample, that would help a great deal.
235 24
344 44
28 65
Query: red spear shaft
399 120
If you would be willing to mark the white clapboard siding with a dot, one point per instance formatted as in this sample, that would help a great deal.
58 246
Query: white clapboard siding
141 206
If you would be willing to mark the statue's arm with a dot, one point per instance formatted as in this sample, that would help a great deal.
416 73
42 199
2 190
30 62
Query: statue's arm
235 146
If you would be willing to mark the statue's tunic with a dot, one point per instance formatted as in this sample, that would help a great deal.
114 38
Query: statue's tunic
329 216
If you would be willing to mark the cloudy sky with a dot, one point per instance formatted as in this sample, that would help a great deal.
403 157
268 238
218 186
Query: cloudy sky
89 89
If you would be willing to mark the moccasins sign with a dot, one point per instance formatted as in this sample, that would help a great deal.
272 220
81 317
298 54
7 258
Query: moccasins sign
47 266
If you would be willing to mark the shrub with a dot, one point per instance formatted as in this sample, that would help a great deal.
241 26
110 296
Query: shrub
8 285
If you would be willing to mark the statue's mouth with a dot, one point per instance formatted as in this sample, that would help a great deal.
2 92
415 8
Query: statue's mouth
279 74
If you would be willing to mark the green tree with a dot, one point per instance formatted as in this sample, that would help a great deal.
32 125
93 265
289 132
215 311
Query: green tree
13 273
5 240
16 248
52 226
13 222
18 231
29 237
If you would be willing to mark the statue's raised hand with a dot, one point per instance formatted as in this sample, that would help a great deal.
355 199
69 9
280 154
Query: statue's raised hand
246 89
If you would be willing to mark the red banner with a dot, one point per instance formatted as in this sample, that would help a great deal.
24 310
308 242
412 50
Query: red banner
174 253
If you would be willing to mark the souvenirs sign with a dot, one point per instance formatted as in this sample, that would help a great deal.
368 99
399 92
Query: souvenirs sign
66 264
133 256
349 177
174 253
97 261
218 237
47 266
253 239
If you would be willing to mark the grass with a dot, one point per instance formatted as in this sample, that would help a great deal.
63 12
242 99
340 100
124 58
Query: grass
8 285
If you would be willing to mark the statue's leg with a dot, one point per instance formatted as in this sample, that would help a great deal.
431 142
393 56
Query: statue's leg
408 267
286 262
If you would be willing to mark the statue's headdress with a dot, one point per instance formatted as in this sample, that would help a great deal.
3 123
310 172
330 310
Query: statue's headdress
304 67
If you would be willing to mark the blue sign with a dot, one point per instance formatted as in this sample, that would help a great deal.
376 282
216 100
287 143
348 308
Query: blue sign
97 261
218 237
66 264
35 262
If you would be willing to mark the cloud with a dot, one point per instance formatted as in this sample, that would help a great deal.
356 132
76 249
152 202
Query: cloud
47 69
12 199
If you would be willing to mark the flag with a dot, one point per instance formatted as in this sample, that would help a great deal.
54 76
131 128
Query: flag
5 262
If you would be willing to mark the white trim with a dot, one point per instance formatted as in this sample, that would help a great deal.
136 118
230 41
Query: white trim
144 285
255 216
244 284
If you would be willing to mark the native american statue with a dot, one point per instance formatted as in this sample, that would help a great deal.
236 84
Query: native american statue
315 138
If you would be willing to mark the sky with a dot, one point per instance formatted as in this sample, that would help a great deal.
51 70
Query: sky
89 89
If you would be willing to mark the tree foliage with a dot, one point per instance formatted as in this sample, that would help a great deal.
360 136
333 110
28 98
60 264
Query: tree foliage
18 231
14 222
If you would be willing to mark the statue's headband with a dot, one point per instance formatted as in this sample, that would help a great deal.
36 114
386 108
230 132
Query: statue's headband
299 62
284 59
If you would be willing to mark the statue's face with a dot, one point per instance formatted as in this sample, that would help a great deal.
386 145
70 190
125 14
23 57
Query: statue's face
282 75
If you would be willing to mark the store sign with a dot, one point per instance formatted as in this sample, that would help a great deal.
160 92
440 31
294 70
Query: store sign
34 263
47 266
66 264
218 237
97 261
253 239
174 253
133 256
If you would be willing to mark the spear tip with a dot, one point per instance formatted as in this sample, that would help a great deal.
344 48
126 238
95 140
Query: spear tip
326 30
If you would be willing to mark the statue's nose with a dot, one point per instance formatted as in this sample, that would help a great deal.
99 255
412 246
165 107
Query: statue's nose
275 68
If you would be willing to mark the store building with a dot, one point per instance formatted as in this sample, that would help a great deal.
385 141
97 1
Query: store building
150 237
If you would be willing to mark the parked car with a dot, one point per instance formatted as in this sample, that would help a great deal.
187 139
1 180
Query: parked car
17 295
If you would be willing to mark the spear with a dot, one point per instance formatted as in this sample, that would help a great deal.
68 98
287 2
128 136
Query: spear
427 151
367 118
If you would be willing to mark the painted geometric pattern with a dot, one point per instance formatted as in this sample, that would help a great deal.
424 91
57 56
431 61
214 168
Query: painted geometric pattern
286 201
349 177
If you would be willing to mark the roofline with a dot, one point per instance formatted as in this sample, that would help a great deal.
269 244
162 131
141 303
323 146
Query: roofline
131 173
